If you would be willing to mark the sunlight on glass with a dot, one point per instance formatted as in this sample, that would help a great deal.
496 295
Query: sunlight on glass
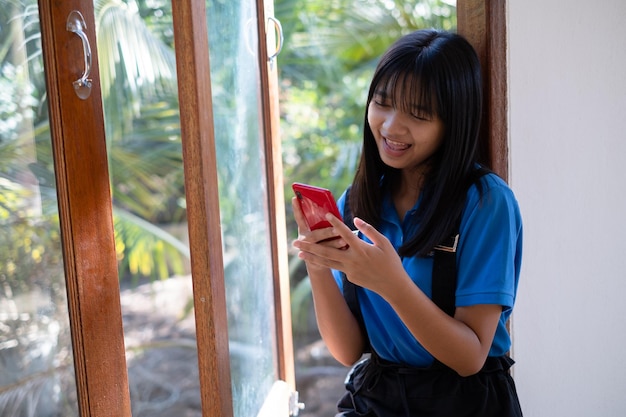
235 75
140 103
36 363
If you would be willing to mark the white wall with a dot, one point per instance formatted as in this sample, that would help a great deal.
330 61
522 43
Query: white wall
567 104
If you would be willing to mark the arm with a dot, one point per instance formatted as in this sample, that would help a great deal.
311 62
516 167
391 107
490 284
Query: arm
461 342
338 327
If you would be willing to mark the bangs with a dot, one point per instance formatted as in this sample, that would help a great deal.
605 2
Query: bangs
409 90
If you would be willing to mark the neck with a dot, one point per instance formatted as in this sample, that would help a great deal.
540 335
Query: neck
408 190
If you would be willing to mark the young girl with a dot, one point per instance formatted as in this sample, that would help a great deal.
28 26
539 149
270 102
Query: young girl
417 185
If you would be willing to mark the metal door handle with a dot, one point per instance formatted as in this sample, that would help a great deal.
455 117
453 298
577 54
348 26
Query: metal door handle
280 39
76 24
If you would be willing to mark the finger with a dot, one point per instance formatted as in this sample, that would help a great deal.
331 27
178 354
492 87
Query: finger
298 216
319 261
318 254
325 237
297 211
335 242
341 229
369 231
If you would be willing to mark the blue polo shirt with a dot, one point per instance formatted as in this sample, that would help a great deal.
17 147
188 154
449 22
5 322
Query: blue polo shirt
489 257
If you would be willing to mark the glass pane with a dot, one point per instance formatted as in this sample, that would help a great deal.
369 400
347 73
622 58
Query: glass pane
243 201
36 363
140 102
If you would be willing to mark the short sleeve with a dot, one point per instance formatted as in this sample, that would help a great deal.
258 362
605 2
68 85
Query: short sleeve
489 254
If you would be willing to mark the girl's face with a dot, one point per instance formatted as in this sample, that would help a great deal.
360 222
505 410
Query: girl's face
405 139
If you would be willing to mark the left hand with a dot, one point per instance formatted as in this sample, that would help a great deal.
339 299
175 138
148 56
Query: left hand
370 265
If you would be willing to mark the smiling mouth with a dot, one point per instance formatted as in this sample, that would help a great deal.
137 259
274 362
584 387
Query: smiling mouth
396 146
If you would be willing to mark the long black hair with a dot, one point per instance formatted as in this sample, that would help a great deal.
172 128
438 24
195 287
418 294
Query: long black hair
440 72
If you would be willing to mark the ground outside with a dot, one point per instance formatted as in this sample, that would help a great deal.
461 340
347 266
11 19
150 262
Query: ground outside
162 357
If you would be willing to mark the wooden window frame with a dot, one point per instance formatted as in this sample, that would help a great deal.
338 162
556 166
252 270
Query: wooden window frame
201 184
276 197
85 215
203 212
86 212
483 23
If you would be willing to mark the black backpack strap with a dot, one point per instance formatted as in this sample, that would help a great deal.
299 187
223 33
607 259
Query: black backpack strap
444 265
444 274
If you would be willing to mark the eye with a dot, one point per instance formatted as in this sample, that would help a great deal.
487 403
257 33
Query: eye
381 100
422 116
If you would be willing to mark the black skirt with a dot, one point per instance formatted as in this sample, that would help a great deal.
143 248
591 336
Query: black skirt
377 388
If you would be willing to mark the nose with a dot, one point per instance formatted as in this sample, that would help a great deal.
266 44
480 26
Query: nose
394 123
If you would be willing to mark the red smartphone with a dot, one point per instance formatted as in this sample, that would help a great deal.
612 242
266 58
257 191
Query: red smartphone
315 202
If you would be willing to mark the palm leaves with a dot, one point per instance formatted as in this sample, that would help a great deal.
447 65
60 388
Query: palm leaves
138 80
137 75
330 52
135 65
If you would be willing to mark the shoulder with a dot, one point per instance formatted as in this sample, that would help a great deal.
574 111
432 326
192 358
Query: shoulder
492 200
491 181
489 190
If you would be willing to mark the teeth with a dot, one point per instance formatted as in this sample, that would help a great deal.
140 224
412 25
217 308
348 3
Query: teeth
396 145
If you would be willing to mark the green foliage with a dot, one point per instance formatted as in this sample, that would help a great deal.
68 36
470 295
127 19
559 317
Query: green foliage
29 241
29 231
137 75
144 249
139 91
331 49
146 165
137 67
